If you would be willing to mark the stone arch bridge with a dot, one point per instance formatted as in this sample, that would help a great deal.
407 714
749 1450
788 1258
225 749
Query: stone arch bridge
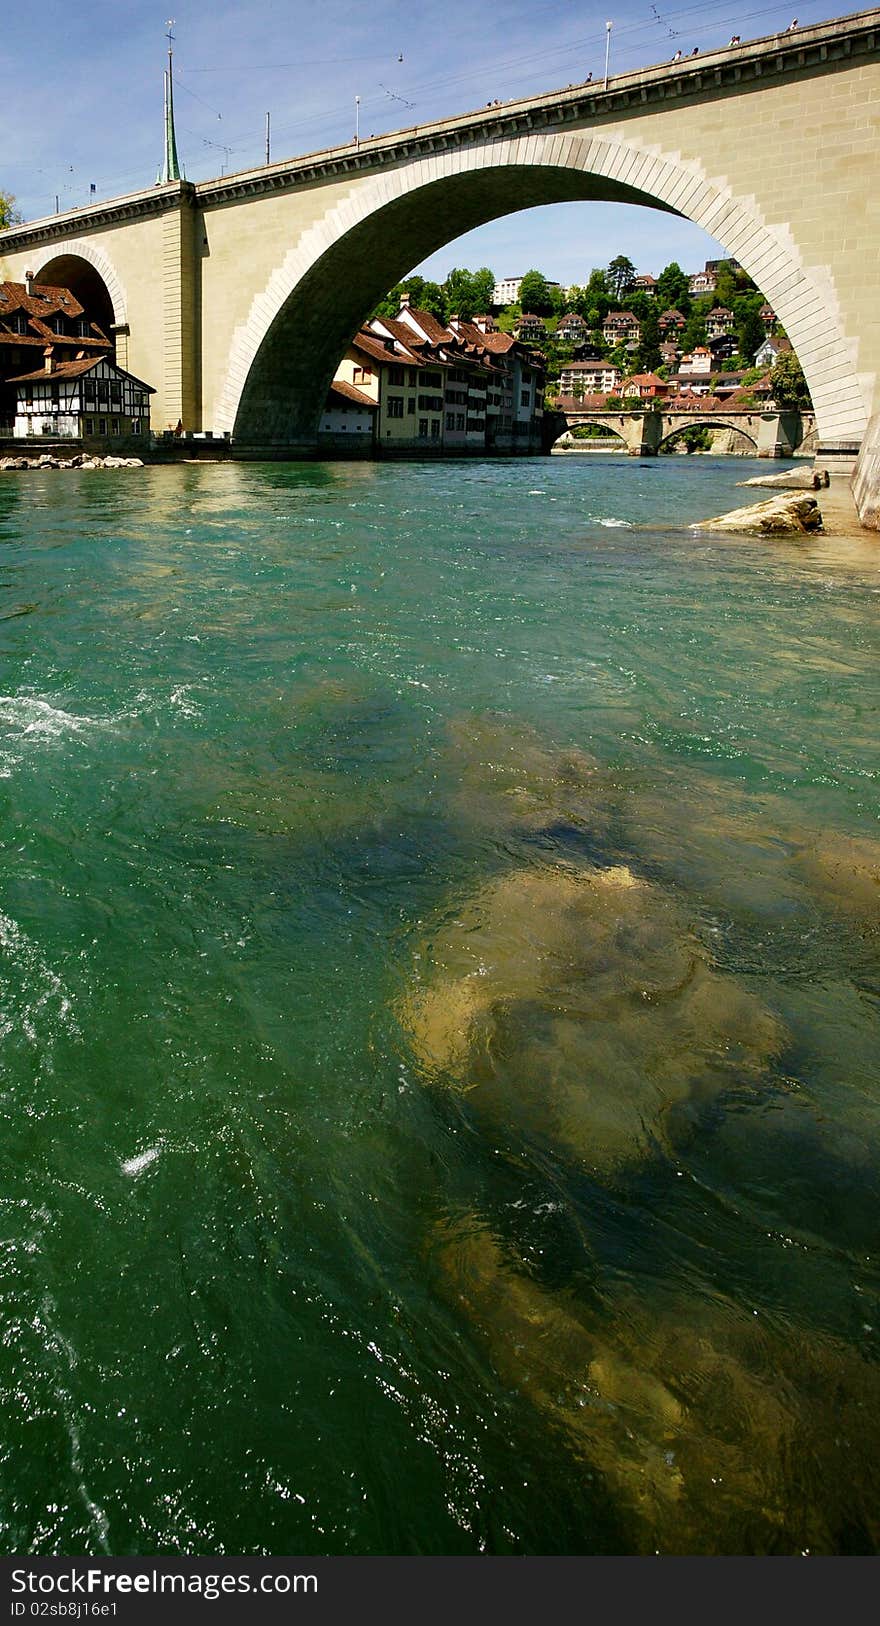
236 297
643 433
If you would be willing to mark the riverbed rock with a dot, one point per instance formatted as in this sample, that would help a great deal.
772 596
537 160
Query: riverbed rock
804 479
844 871
712 1430
508 779
13 463
575 1009
779 516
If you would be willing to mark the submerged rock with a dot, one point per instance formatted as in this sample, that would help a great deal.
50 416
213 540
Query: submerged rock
844 872
506 777
712 1432
778 516
575 1007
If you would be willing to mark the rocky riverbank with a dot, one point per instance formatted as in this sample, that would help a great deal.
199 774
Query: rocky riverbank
779 516
79 460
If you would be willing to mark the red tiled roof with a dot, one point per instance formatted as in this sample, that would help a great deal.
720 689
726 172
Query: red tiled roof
586 403
74 369
63 369
349 393
45 300
372 346
433 330
401 331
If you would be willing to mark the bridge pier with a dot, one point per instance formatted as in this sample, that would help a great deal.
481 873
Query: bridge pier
779 434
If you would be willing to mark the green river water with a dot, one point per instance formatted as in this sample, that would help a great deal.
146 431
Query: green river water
439 994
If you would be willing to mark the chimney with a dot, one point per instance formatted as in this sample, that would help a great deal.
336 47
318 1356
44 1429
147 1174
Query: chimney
29 284
454 318
48 360
404 301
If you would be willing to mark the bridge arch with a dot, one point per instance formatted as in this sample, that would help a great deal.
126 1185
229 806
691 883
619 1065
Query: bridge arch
698 421
89 273
284 353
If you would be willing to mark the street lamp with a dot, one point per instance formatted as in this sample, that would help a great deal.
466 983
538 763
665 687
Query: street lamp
608 28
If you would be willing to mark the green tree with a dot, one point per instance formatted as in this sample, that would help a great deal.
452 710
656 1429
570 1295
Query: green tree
790 389
424 296
534 294
749 327
648 355
468 293
620 276
673 292
9 214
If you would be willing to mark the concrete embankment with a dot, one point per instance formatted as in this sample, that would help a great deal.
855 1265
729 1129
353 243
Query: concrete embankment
866 480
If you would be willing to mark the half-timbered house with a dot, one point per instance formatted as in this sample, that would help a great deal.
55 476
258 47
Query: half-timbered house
87 399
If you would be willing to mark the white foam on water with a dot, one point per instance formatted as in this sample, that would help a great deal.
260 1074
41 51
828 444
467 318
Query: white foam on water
26 720
618 524
33 998
29 715
142 1160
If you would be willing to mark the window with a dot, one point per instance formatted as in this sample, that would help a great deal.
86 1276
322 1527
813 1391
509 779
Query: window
430 403
362 375
450 420
102 426
135 426
432 378
411 405
413 379
525 397
423 429
459 420
397 376
395 406
114 426
90 426
115 391
435 428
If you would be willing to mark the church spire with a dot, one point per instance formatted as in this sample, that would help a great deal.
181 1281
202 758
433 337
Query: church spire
170 170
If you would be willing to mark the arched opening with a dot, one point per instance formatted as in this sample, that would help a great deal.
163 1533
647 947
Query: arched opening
598 436
91 278
677 440
84 282
284 355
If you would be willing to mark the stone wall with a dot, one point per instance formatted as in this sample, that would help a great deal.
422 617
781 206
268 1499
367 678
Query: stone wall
866 480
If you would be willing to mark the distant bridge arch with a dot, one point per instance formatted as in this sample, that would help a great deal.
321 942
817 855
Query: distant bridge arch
747 426
645 431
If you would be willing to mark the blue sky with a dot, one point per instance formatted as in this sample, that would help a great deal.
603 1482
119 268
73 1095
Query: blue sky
82 96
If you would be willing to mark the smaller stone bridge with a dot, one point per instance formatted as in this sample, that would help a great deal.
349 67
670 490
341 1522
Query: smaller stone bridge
643 432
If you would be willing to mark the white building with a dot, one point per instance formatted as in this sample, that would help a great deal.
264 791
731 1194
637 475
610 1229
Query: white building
506 292
698 364
86 399
588 378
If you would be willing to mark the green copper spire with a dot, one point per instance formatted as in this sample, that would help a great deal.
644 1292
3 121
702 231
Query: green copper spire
170 170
